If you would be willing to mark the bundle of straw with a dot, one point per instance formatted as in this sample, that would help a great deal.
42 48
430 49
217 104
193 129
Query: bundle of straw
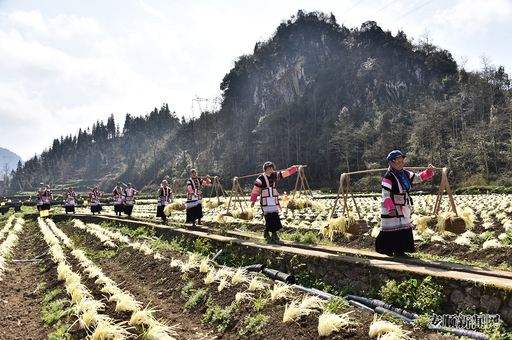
176 205
348 225
423 222
243 214
449 221
298 202
212 204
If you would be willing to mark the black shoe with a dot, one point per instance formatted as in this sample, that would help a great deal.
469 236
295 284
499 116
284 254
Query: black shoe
275 237
402 255
266 234
389 254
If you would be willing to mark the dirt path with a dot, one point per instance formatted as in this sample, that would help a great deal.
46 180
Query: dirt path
21 292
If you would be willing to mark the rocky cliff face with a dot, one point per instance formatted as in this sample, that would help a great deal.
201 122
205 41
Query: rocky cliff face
363 66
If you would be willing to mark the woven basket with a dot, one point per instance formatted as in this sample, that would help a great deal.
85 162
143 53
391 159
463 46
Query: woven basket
457 226
432 222
292 205
243 216
358 227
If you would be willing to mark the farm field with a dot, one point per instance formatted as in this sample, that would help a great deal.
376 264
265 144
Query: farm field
487 242
96 278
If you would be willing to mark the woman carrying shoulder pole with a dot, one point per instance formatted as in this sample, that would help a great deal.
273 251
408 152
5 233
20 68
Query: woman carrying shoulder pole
194 197
117 192
129 199
94 199
165 196
70 201
395 233
265 186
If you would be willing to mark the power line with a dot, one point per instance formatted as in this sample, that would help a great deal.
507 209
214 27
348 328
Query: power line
351 8
406 14
383 8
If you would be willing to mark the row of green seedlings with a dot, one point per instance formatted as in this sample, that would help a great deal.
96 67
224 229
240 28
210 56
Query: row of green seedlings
10 241
327 324
109 237
125 301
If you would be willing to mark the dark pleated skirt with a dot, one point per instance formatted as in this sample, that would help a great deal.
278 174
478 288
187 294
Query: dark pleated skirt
395 242
118 208
45 206
70 209
128 209
96 208
195 213
273 222
160 211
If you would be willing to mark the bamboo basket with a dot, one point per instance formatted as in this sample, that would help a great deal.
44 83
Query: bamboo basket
292 205
432 222
244 215
456 226
358 227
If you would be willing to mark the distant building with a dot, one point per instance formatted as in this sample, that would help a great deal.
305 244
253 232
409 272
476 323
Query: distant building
2 188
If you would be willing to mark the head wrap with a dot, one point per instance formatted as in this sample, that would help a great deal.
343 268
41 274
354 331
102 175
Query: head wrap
395 154
268 165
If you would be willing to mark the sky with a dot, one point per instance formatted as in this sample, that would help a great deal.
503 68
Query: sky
65 64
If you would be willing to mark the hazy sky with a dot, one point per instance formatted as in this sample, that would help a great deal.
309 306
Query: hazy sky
66 64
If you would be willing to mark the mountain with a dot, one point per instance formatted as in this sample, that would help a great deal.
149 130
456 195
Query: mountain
8 160
315 93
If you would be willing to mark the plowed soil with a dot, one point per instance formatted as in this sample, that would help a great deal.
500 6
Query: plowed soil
152 282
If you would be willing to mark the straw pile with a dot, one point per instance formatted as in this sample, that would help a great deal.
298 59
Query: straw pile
298 202
178 205
243 214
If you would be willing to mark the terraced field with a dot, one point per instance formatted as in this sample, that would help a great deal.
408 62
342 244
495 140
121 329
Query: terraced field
101 283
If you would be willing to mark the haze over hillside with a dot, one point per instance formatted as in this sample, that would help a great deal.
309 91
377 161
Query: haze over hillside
8 161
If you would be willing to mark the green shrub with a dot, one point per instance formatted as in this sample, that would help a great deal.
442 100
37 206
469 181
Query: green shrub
221 316
194 300
423 298
336 305
186 291
254 324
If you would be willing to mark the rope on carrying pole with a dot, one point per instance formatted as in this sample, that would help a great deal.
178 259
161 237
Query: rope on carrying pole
237 188
344 177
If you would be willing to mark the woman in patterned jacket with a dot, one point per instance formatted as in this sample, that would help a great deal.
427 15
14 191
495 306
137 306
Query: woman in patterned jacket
395 233
165 196
117 192
265 186
70 197
194 197
129 199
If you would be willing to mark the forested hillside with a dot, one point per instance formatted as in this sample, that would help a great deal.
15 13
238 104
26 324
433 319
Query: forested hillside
315 93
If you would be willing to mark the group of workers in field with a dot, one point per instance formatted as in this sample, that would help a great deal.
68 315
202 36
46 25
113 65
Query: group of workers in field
395 233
